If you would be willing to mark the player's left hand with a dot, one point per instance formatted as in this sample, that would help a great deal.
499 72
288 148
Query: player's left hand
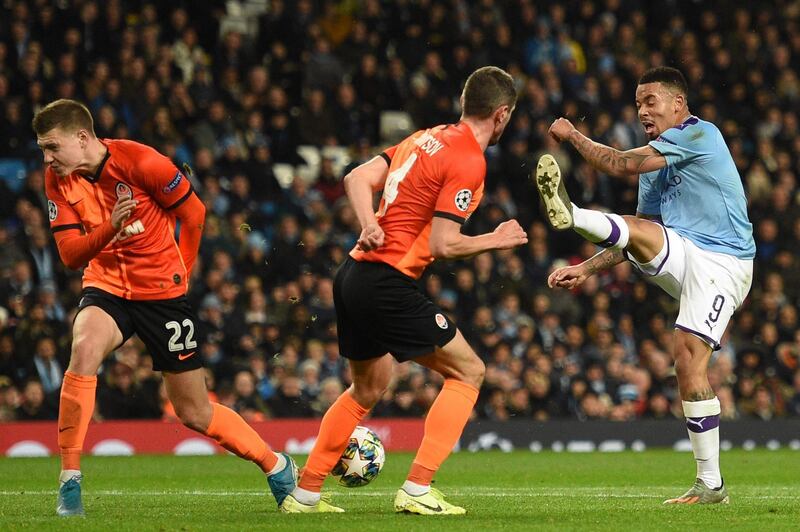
371 237
561 129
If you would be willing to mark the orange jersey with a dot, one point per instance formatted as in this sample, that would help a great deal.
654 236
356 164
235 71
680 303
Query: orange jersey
434 172
143 261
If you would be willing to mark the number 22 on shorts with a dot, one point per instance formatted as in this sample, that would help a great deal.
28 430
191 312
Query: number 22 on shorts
175 344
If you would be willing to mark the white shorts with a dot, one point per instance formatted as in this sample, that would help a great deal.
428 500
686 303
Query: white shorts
710 286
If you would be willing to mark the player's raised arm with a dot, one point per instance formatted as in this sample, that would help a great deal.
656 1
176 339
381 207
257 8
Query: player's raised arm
361 184
605 158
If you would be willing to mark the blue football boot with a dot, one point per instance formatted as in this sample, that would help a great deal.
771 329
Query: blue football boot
284 481
69 497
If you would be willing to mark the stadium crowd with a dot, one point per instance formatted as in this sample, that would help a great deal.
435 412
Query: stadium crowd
235 88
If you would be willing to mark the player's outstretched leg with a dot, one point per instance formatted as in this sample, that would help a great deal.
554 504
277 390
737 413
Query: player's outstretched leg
234 434
463 371
606 230
187 391
370 379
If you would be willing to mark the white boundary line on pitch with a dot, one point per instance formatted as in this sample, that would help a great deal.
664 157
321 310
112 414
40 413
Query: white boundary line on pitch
485 492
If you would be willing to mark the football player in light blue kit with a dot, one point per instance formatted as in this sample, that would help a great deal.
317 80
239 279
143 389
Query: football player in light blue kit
690 236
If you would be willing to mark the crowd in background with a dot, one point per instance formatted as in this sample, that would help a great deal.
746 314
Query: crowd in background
233 88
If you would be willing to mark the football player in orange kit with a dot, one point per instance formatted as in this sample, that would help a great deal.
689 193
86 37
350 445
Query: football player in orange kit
113 206
431 182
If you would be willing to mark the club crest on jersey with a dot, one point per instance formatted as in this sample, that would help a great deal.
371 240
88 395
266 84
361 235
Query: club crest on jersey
172 185
123 191
52 210
463 199
441 321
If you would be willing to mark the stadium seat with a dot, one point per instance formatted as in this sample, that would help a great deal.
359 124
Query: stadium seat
310 174
311 156
340 155
284 173
395 126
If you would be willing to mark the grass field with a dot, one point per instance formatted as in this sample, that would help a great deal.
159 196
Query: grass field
516 491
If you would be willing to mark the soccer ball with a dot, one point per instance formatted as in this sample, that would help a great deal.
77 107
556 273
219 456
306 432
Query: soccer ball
361 460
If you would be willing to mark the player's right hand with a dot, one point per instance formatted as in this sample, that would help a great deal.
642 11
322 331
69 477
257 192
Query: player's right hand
568 277
510 235
371 237
122 211
561 129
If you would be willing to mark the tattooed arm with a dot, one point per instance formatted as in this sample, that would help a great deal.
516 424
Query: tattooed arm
606 159
606 259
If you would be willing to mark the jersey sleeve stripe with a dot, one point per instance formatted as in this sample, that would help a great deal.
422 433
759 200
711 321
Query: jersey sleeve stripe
183 198
450 216
64 227
386 158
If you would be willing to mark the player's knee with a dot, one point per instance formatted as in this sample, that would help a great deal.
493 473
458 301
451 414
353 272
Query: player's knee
85 356
194 417
687 363
368 395
473 372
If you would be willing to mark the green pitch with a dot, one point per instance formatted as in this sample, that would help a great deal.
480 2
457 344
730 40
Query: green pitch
517 491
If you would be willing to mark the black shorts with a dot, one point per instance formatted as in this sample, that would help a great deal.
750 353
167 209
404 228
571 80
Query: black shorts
166 326
380 310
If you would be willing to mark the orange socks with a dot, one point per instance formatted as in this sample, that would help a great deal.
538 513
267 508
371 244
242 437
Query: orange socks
234 434
443 426
74 414
77 405
337 425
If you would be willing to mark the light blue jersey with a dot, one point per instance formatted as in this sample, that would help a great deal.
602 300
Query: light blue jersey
699 193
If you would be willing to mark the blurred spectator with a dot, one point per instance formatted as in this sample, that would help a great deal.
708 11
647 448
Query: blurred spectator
246 401
46 367
289 400
329 390
401 403
121 396
34 406
9 399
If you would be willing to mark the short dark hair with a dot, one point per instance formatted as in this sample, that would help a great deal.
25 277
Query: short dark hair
69 115
671 77
487 89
